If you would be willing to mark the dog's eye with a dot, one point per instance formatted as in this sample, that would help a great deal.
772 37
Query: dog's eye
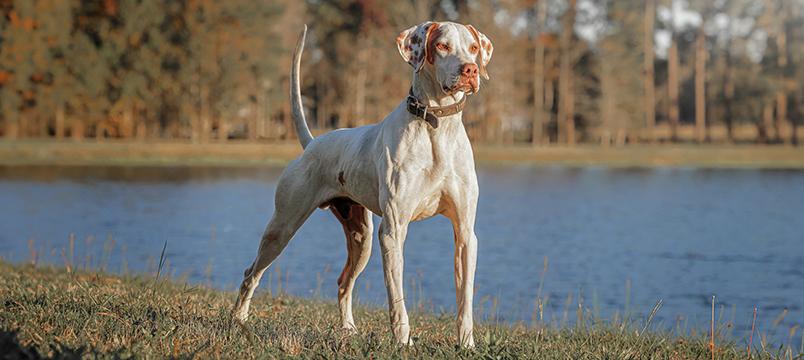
474 49
443 47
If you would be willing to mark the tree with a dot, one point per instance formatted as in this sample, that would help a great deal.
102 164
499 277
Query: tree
622 90
650 90
17 63
566 110
673 111
700 86
538 74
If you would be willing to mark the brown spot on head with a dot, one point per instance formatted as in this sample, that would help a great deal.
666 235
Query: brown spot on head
433 32
486 45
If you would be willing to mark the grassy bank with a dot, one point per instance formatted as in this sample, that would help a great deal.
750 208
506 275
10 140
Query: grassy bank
169 153
52 312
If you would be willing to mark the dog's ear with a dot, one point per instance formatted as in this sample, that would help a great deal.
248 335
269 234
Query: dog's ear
486 49
412 43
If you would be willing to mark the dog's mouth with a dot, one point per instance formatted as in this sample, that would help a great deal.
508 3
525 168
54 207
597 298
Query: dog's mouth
467 85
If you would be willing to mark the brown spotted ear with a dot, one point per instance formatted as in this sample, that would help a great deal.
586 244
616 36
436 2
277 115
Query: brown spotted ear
486 49
412 43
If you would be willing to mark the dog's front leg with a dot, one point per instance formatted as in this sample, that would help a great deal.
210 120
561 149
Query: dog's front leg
463 222
465 260
393 230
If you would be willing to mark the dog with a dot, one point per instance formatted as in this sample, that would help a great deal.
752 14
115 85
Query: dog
414 164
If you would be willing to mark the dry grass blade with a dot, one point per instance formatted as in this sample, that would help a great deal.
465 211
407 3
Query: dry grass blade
652 314
159 268
751 337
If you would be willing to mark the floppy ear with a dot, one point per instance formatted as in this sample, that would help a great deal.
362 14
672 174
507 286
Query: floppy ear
412 43
486 49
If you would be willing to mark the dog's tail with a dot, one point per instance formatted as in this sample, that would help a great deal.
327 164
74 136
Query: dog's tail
295 94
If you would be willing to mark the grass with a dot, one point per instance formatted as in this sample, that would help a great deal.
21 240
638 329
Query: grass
243 153
50 312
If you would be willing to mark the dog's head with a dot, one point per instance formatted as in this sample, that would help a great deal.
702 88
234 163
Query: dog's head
455 55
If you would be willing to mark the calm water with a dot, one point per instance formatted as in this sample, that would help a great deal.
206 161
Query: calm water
618 239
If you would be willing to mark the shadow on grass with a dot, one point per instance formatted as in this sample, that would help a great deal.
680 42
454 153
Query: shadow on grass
10 348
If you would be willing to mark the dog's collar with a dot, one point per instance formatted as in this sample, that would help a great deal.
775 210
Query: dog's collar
432 113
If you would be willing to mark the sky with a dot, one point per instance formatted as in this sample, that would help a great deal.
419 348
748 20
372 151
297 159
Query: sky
680 14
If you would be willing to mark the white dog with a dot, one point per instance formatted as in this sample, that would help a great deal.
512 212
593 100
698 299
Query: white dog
415 164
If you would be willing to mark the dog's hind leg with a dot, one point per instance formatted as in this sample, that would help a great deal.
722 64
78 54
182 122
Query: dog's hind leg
295 201
357 225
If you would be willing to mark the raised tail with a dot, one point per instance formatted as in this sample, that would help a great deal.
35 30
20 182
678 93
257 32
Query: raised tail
297 109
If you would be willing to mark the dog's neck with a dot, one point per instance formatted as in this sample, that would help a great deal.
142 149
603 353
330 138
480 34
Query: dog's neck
428 91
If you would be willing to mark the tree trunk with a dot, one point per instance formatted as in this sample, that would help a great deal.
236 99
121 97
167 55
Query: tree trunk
60 122
360 81
650 90
566 126
672 88
12 130
223 129
767 121
205 122
252 124
781 117
728 97
538 76
700 86
795 117
549 90
290 131
570 109
607 100
782 124
142 131
127 127
77 129
24 122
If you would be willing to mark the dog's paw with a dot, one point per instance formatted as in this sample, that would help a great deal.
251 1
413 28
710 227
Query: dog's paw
405 344
349 329
240 317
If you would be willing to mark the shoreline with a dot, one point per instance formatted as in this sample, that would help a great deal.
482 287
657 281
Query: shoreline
51 311
239 153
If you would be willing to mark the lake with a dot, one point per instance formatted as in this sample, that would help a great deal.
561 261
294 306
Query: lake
615 240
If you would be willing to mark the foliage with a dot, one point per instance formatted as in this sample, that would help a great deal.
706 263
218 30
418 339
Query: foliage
203 69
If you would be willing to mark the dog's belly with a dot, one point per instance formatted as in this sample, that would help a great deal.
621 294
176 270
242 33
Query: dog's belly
369 199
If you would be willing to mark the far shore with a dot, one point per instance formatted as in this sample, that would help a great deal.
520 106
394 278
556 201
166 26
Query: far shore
241 153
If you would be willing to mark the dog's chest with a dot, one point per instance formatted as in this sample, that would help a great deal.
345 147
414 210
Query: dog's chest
429 206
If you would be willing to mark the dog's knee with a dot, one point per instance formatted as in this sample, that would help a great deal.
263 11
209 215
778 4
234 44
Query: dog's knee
248 270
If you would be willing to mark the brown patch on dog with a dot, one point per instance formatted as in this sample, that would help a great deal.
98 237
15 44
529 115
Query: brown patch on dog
415 39
341 179
433 33
401 37
342 208
486 45
346 269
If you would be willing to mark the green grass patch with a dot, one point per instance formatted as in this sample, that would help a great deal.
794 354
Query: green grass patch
48 312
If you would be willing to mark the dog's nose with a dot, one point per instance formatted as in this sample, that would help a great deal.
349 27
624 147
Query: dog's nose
469 70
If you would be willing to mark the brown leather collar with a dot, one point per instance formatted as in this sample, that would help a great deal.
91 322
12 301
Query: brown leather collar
432 113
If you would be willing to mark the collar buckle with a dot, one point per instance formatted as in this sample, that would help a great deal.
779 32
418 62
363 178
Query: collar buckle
431 114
